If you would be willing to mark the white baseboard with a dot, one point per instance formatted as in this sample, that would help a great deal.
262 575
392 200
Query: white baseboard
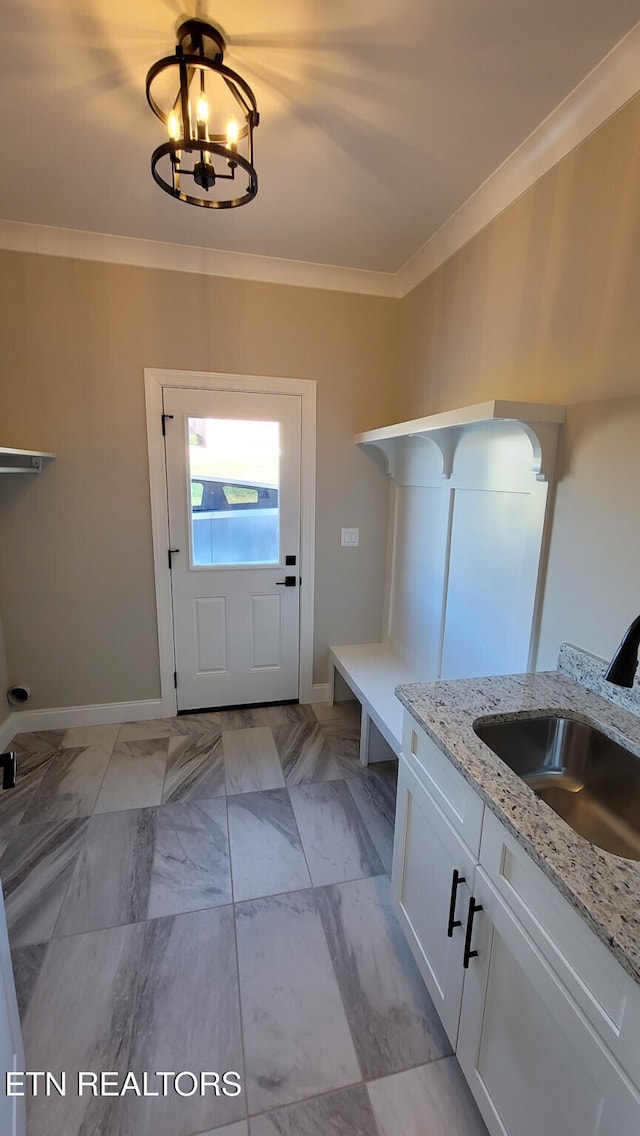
62 717
103 714
319 692
7 730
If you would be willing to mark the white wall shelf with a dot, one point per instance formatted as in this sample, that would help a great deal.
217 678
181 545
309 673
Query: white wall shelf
468 533
540 422
22 461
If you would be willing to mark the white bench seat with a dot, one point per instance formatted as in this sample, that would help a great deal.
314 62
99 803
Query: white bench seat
372 671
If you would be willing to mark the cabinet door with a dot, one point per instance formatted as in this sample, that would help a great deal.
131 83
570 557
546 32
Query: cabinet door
532 1061
426 853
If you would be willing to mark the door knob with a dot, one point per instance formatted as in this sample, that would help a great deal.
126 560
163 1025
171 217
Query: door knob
288 582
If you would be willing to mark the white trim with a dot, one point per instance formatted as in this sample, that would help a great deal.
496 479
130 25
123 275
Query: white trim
78 244
7 730
63 717
319 692
155 381
606 89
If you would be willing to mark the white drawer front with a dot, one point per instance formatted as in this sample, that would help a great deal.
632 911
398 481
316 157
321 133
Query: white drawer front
607 995
456 798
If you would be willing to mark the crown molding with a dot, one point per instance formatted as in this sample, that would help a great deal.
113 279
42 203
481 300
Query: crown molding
612 83
605 90
22 236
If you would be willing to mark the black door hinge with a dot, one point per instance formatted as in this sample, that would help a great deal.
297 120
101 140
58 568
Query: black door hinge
175 679
164 421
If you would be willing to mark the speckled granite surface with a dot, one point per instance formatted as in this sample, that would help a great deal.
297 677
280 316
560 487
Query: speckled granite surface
589 671
604 888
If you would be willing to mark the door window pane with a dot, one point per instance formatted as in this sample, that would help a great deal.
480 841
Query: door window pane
234 470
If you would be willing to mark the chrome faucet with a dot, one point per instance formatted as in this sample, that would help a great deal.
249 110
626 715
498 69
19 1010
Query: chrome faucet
624 664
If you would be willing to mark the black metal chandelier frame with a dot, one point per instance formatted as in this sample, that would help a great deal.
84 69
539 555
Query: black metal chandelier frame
200 49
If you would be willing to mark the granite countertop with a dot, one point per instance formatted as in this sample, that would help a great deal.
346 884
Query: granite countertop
604 888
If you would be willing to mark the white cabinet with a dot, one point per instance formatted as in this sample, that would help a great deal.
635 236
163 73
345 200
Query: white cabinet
545 1023
532 1060
437 842
432 874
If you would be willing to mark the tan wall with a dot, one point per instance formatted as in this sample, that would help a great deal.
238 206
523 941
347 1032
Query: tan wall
543 305
5 709
593 584
76 574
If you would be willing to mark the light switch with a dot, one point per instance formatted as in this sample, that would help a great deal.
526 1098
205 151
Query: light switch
350 538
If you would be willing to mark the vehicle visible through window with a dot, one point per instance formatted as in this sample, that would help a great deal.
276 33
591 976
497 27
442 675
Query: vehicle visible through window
234 469
212 495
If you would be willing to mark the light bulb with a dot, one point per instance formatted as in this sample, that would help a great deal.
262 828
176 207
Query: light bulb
233 132
173 126
202 110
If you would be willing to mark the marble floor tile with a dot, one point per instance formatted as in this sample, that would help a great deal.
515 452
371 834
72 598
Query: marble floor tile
345 1113
244 718
239 1129
266 852
135 776
43 742
80 1018
195 767
112 875
194 724
191 861
296 1036
35 752
138 731
374 792
7 830
186 1016
334 837
70 785
289 714
432 1100
27 963
350 708
304 753
393 1021
251 760
343 738
36 869
91 736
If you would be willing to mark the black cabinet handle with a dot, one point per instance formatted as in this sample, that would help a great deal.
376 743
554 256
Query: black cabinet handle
468 953
453 922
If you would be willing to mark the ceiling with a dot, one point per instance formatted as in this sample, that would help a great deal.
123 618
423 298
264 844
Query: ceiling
378 120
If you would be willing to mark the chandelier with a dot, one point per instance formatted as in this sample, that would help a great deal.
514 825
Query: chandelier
210 113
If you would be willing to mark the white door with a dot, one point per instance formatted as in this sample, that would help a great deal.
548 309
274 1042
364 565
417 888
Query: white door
233 485
12 1109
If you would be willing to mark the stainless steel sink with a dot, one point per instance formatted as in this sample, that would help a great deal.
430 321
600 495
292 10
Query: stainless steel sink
589 780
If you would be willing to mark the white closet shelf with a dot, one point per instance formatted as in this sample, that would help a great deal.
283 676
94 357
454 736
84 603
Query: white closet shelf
22 461
540 421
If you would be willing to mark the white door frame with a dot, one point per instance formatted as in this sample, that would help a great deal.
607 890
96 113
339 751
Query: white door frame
154 382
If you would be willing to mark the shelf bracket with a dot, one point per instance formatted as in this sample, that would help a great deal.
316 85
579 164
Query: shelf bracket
446 441
388 448
544 443
22 461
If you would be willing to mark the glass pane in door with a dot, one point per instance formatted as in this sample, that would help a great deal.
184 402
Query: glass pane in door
234 472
